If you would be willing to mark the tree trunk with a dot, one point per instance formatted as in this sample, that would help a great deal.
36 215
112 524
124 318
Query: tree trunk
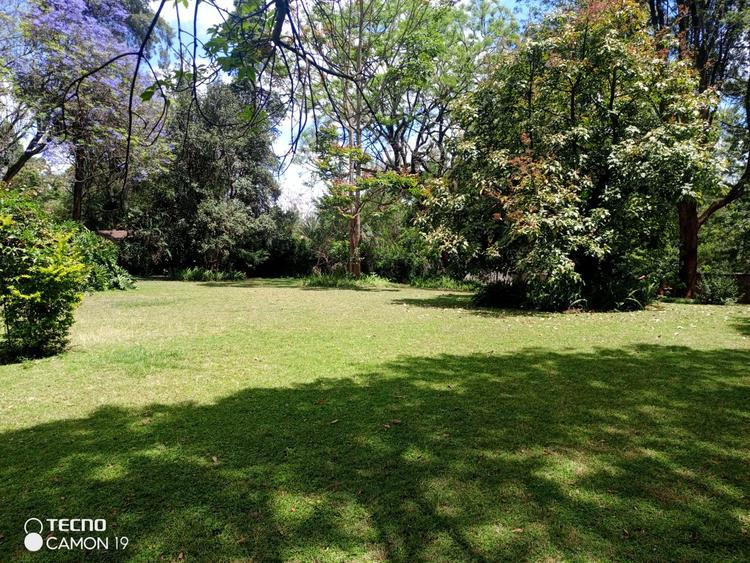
79 185
16 167
34 147
355 236
688 222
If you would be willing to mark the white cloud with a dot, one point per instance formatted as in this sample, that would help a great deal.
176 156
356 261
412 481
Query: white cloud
298 191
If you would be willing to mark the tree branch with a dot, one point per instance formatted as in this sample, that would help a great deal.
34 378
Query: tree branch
736 191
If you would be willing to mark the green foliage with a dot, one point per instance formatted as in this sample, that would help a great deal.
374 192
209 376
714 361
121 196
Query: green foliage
444 282
153 243
576 150
345 281
217 233
517 293
395 249
42 276
289 251
101 256
374 280
213 204
50 188
725 240
717 289
391 245
330 280
204 275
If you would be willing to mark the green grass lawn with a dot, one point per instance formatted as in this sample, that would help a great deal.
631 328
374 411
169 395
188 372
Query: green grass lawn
266 421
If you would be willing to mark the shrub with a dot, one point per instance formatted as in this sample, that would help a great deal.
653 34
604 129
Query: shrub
289 252
204 275
330 280
374 280
402 258
345 281
717 289
101 255
445 282
155 240
621 295
42 277
219 229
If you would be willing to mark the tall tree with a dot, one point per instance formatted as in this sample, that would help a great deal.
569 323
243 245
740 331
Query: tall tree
714 37
359 38
402 65
574 151
213 191
55 44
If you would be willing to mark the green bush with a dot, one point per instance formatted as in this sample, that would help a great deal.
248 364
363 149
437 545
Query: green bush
402 257
374 280
205 275
345 281
620 295
156 237
330 280
101 255
444 282
717 289
42 277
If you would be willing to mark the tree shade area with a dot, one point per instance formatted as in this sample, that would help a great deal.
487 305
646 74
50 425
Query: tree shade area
268 422
343 280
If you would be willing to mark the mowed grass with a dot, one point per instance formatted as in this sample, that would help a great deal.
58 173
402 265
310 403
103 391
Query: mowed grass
265 421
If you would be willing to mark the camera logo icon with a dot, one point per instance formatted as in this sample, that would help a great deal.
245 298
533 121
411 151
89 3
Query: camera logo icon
33 540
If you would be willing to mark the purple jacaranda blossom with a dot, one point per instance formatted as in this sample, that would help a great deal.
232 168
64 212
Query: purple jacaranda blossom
68 37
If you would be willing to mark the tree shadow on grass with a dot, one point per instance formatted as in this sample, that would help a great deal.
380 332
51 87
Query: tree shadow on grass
352 287
635 454
9 356
6 357
444 301
462 301
293 283
742 324
256 282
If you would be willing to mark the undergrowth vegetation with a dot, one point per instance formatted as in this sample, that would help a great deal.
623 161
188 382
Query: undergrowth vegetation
344 281
197 273
717 289
101 256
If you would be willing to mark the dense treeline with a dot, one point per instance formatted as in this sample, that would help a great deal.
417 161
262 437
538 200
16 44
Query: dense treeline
577 157
212 202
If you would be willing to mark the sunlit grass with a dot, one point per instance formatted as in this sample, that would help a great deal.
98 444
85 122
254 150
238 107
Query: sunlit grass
264 420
